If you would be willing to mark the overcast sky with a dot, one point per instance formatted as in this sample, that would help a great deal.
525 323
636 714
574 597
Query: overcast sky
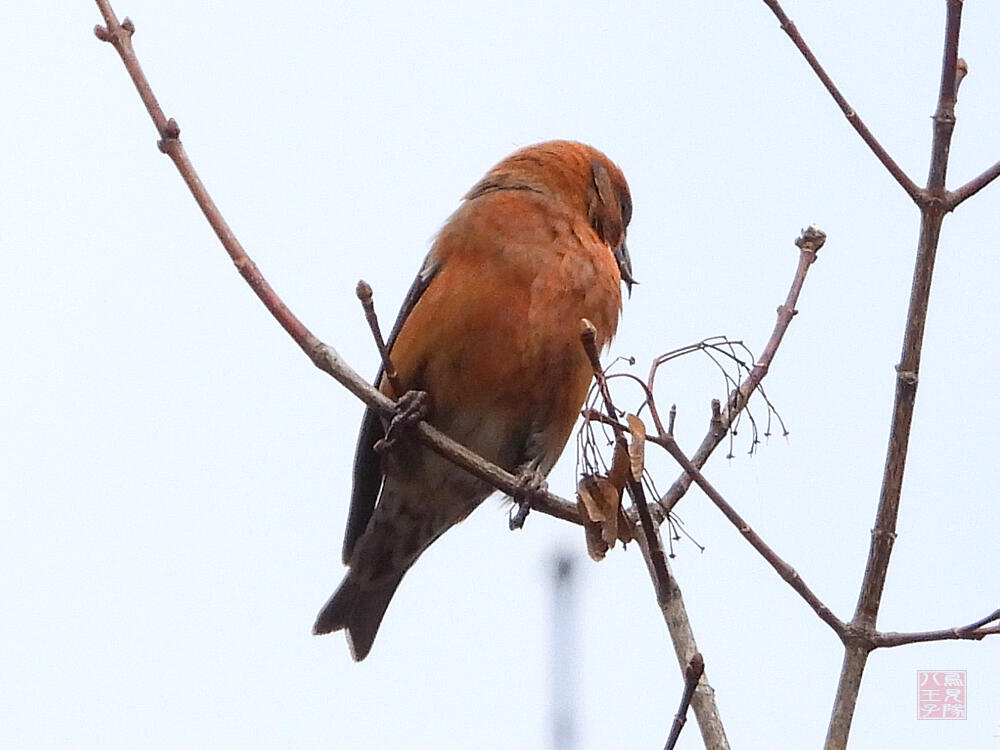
175 474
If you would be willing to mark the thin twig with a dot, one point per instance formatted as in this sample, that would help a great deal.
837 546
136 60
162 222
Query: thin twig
907 371
716 348
973 186
364 292
692 673
852 116
120 37
588 339
993 616
662 581
889 640
786 571
809 242
972 632
907 376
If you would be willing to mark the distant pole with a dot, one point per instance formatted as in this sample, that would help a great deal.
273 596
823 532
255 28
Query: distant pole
564 659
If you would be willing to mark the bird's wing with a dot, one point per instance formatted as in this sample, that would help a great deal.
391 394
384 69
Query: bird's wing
367 464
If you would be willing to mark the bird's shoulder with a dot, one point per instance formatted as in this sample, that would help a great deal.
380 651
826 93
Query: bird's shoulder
517 226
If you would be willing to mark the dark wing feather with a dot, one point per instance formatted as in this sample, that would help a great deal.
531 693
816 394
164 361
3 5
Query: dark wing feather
367 464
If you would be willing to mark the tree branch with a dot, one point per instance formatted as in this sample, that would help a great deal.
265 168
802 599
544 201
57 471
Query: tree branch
120 37
852 117
809 243
713 733
786 571
692 673
907 371
973 186
851 672
907 376
975 631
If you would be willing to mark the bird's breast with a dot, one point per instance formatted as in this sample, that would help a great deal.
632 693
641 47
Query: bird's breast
495 337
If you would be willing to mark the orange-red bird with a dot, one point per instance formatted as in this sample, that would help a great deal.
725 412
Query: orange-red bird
491 331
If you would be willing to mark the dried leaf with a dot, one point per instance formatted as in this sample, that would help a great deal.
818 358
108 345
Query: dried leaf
588 504
597 548
604 522
618 476
637 449
589 495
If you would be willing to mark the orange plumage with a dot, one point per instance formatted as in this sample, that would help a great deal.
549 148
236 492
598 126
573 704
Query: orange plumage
490 330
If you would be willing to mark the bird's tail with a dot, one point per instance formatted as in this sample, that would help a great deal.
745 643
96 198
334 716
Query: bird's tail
357 609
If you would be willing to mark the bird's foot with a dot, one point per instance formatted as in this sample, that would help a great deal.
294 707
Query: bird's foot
411 408
530 484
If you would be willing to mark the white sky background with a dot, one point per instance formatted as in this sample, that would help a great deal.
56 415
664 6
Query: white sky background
175 473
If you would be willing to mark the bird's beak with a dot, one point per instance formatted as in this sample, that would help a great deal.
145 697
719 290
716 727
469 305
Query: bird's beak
625 267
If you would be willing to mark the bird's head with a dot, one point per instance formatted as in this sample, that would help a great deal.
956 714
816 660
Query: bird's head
580 176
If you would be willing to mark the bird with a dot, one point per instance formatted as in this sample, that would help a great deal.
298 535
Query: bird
490 331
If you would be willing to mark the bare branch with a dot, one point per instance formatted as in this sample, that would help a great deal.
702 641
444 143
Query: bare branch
364 292
588 339
973 186
907 371
852 117
975 631
944 117
653 543
993 616
120 37
692 673
851 671
907 376
809 242
713 733
786 571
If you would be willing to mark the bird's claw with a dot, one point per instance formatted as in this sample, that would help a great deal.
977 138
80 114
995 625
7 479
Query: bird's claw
411 408
530 485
